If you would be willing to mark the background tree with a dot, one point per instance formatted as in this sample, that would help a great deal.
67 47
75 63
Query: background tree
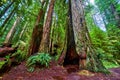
110 10
12 31
38 30
45 42
102 36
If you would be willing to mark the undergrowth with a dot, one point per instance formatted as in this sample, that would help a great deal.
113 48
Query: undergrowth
42 59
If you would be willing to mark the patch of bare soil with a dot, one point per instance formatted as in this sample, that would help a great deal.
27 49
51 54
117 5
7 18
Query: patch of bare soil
57 73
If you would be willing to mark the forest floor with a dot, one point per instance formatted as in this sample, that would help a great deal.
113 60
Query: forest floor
57 73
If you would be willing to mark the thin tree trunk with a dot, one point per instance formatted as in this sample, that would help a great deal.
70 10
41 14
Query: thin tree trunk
12 31
7 19
37 31
8 23
3 12
22 32
44 46
52 41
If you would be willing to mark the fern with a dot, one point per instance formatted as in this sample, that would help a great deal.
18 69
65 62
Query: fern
41 58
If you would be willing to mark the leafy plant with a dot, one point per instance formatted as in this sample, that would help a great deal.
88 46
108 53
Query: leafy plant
41 58
8 61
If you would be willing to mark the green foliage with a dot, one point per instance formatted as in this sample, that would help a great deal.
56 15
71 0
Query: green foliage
8 61
107 46
22 51
19 55
59 23
98 37
88 8
109 9
109 64
106 42
114 38
118 8
2 64
41 58
2 2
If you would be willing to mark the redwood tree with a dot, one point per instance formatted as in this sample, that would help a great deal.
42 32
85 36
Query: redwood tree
44 46
78 40
71 54
37 31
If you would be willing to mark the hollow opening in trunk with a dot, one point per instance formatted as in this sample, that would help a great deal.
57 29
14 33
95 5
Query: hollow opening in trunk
71 61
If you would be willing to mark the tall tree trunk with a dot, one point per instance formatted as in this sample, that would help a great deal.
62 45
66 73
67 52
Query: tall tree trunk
3 12
12 31
71 55
52 41
79 48
37 31
79 26
44 46
82 39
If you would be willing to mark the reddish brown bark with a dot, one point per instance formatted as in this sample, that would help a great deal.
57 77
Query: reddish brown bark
36 34
44 46
78 39
37 31
7 50
82 40
71 55
80 30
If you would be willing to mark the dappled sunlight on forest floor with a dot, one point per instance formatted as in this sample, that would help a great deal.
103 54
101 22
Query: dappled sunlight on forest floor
57 73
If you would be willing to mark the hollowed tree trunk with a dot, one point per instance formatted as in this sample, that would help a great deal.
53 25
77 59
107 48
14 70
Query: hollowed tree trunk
71 54
78 40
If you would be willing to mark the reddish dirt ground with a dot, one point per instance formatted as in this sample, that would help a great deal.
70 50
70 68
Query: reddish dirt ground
56 73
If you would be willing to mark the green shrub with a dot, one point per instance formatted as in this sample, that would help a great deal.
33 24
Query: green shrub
41 58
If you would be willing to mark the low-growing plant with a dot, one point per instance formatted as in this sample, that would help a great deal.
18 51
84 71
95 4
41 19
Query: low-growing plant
41 58
8 60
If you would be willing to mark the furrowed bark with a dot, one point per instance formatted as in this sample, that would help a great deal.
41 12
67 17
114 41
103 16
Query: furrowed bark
37 31
45 42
